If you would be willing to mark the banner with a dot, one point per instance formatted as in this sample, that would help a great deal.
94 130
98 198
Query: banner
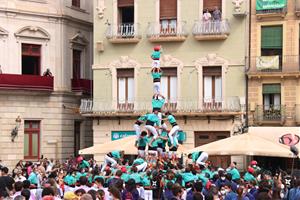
267 62
270 4
117 135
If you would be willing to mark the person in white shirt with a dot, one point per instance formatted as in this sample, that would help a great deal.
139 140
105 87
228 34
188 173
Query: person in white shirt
98 185
19 177
206 21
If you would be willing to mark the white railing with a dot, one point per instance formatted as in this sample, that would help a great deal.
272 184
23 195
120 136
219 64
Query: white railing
211 27
166 28
230 104
126 30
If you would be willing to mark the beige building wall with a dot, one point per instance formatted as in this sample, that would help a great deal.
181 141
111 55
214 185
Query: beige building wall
58 28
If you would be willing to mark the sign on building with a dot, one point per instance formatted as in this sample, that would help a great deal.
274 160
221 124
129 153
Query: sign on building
270 4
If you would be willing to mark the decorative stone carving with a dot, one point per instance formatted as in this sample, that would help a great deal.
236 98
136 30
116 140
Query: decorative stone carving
78 40
124 62
3 32
170 61
33 32
237 5
100 8
212 60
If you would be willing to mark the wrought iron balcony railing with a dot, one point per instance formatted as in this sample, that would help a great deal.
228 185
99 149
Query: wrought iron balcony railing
211 28
270 113
123 31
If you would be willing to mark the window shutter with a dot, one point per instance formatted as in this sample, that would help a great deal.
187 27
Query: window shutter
211 4
271 89
169 71
212 71
125 73
271 37
168 9
125 3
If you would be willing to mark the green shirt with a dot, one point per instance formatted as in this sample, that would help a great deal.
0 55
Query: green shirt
195 156
70 180
146 181
156 75
161 141
155 55
84 164
234 173
175 144
78 175
33 178
142 118
137 177
207 171
171 119
203 179
153 118
249 177
138 161
154 143
188 177
125 177
116 154
158 103
142 142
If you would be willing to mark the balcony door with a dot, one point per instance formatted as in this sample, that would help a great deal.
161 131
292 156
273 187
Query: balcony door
31 140
271 101
168 17
212 88
76 64
125 18
169 87
31 59
125 78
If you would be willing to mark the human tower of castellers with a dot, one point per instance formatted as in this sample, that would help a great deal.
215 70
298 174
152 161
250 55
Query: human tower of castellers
156 135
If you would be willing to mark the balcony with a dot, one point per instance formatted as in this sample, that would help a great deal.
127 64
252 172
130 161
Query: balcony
270 114
123 33
211 30
26 82
209 107
167 31
274 66
82 85
298 114
271 13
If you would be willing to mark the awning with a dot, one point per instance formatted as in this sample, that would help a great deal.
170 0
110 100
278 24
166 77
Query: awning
245 144
125 144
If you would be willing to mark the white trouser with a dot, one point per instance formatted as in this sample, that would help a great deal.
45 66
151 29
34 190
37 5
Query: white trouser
152 129
171 154
141 153
202 158
142 167
137 129
108 160
155 64
160 151
173 134
148 195
156 87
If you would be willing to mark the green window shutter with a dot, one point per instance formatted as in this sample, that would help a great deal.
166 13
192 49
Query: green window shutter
271 37
272 89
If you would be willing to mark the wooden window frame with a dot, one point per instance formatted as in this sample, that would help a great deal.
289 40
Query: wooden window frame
76 67
124 73
211 9
30 131
30 52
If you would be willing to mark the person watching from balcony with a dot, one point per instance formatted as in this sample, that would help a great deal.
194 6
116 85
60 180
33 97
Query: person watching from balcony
152 121
47 73
175 128
206 20
156 75
112 158
217 14
137 125
156 56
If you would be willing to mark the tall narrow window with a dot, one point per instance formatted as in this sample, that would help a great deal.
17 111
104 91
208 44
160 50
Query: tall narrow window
31 59
126 18
211 5
76 3
76 64
125 79
169 86
31 139
212 87
76 137
272 101
271 45
168 17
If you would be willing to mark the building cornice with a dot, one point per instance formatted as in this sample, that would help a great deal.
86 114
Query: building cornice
14 12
